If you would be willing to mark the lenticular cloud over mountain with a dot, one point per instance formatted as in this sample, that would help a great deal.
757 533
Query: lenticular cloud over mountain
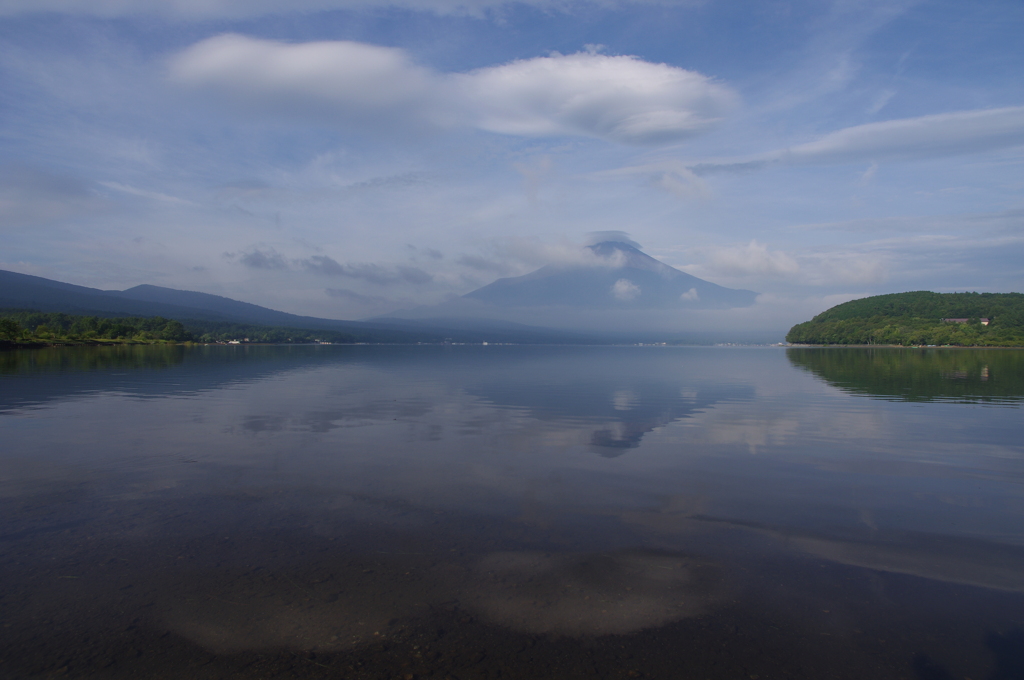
621 98
618 98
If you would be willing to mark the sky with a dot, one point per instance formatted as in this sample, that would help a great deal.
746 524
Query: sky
351 158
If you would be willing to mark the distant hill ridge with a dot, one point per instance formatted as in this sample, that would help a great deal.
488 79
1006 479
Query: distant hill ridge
27 292
916 318
35 292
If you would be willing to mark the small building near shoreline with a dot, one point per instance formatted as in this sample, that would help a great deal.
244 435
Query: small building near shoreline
984 321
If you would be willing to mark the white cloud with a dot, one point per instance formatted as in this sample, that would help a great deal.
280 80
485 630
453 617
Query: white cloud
596 237
617 98
935 136
752 259
625 290
845 268
215 9
620 98
941 134
755 262
338 79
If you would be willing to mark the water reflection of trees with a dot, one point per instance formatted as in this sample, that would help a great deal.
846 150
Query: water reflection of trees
59 359
37 376
960 375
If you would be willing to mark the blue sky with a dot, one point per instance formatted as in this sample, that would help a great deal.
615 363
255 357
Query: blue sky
345 159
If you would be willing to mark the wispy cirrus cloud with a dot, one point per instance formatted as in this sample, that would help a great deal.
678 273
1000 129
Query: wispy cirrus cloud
943 134
144 193
617 98
904 139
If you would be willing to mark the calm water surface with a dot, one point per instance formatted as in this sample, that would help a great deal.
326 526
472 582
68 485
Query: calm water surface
511 512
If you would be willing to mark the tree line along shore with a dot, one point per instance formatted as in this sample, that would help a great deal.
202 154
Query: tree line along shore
919 318
33 328
901 319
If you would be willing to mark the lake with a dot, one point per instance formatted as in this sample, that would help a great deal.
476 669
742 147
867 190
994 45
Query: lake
512 512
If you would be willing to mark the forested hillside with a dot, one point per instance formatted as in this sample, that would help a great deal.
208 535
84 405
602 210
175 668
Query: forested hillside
916 318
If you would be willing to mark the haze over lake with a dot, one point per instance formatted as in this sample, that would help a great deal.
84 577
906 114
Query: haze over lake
511 511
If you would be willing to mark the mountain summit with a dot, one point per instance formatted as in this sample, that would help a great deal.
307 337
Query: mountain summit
619 276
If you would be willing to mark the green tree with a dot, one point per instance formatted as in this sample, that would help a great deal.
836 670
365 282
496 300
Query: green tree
175 331
10 329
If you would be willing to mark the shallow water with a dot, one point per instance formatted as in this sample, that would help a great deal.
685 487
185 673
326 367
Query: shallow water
496 512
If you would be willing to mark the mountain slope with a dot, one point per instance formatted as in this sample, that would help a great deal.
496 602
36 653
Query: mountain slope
23 291
34 292
222 307
620 277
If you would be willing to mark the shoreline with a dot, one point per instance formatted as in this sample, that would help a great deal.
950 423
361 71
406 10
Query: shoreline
7 345
838 346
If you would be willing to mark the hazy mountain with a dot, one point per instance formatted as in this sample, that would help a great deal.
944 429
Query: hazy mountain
616 293
23 291
619 277
34 292
216 304
614 290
